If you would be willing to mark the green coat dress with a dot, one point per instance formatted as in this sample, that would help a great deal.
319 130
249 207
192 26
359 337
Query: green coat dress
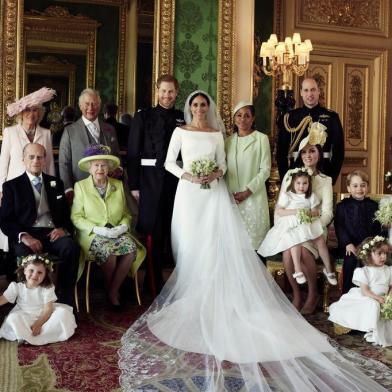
248 167
89 210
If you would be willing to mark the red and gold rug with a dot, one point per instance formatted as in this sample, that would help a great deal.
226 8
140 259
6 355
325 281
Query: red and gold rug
88 361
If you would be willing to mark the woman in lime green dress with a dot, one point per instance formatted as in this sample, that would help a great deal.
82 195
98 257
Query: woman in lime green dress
248 167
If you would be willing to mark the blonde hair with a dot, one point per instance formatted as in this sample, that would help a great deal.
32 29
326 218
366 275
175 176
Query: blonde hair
357 173
19 116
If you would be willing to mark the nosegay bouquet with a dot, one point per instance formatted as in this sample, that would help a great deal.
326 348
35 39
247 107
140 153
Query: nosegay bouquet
203 167
304 216
386 308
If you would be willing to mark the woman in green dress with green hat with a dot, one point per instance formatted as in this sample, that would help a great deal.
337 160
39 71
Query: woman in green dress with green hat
102 220
248 167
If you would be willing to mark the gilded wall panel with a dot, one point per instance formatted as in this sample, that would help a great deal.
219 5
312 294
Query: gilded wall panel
163 53
226 41
366 17
355 107
11 46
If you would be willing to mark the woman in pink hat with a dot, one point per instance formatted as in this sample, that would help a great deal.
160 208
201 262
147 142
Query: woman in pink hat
28 112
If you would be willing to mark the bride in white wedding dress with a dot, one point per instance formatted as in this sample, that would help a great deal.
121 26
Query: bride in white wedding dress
221 323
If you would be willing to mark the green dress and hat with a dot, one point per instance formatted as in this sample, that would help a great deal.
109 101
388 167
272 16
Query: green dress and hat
106 207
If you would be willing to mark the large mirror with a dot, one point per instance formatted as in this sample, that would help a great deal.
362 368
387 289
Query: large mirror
57 46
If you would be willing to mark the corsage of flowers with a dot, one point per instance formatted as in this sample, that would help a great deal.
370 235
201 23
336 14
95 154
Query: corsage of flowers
304 170
53 184
368 246
26 260
384 214
304 216
203 167
386 308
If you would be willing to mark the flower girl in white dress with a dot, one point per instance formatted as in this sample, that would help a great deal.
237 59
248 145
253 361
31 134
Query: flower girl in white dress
299 222
36 319
359 309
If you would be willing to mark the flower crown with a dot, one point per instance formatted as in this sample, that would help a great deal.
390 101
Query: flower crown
368 246
26 260
301 170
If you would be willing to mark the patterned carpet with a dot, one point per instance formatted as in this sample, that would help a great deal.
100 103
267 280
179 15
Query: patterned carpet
88 361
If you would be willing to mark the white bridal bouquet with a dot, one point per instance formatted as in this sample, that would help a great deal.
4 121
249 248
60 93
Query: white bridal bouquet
203 167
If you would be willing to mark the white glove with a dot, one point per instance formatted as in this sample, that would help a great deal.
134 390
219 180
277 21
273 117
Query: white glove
103 231
118 230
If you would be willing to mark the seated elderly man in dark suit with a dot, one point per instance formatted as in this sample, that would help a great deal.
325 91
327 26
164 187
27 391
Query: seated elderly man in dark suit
36 218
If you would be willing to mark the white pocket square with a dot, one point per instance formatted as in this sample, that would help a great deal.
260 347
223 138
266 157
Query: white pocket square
59 197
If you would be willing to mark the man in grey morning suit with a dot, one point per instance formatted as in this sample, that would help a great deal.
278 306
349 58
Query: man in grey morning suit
77 136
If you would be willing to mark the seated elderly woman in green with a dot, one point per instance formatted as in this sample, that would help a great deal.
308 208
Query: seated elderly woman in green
102 220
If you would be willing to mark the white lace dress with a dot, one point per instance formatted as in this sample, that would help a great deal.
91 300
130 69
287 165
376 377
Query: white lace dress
221 323
357 311
288 231
29 305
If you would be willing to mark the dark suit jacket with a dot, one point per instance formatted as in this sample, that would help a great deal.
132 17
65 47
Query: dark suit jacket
354 221
334 143
72 145
18 208
149 138
122 131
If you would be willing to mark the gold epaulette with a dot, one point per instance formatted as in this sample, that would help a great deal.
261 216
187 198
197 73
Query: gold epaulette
301 126
295 139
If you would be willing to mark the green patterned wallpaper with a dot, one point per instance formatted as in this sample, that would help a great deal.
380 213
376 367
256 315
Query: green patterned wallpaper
195 53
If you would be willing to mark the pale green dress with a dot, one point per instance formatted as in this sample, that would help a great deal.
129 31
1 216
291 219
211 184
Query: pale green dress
248 167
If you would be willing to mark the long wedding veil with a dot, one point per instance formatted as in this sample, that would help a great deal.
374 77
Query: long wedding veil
221 323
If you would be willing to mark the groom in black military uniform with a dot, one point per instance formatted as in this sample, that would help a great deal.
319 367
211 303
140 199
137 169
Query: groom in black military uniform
151 185
293 127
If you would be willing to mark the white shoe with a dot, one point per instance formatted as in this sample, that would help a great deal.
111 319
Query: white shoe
299 277
331 277
369 337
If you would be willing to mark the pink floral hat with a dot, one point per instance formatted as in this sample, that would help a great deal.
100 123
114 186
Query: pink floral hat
36 98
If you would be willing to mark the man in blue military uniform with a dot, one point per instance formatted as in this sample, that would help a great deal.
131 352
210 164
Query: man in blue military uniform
151 185
293 127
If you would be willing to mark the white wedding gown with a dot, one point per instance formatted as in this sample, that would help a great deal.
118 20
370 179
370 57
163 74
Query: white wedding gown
221 323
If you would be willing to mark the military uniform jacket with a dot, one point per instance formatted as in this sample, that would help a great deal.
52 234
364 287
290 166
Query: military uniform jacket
149 138
333 146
